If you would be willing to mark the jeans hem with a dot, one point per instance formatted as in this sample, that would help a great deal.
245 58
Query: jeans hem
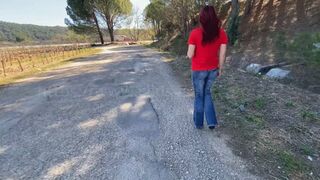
212 124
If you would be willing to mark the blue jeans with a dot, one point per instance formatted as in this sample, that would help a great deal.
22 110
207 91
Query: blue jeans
203 104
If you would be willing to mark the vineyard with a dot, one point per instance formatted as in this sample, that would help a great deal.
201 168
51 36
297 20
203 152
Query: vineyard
16 61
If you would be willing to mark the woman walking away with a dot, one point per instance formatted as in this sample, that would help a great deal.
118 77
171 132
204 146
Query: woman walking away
207 49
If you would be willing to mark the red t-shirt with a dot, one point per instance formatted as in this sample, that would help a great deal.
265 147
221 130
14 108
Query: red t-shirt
206 57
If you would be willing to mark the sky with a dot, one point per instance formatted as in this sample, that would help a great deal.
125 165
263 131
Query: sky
42 12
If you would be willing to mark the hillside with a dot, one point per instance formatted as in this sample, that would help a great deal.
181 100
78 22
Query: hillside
275 31
269 16
13 32
273 125
271 32
27 33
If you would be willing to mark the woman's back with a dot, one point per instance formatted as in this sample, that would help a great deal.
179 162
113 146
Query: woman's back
207 49
206 55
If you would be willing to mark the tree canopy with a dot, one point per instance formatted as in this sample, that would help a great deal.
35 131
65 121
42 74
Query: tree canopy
154 12
113 12
87 14
83 16
170 17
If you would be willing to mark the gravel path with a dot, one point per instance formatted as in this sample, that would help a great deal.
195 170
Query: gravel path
117 115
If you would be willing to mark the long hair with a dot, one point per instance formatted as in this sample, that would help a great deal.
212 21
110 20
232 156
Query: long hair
210 24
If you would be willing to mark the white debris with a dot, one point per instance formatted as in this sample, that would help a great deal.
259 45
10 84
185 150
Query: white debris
310 158
242 108
317 45
254 68
277 73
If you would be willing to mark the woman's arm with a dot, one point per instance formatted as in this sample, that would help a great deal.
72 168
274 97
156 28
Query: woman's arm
222 57
191 50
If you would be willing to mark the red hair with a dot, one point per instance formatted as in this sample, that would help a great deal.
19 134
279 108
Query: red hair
210 24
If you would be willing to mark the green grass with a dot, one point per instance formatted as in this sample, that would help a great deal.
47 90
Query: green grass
289 104
290 163
176 46
309 116
260 103
299 48
256 120
306 150
179 45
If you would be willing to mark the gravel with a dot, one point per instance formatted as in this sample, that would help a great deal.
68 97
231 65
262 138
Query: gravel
118 115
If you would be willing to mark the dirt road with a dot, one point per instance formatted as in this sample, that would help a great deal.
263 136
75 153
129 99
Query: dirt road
120 114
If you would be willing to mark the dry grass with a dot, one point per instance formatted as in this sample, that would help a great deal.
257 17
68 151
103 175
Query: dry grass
279 129
278 123
40 64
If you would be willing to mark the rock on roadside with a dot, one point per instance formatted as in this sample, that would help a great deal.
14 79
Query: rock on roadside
254 68
277 73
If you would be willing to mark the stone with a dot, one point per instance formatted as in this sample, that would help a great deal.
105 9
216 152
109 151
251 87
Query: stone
317 45
242 108
277 73
254 68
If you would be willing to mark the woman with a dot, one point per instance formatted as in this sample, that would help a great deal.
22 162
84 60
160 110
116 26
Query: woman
207 49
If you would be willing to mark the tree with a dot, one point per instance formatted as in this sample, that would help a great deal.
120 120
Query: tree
186 11
248 6
154 13
113 11
233 22
136 24
177 17
83 17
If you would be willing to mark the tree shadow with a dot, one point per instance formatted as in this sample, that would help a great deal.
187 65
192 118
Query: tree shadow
65 122
282 15
269 17
301 10
252 28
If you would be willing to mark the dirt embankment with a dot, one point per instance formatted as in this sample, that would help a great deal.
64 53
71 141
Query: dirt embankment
268 16
282 31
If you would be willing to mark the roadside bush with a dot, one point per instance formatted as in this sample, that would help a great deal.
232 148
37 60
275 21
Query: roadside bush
304 49
300 49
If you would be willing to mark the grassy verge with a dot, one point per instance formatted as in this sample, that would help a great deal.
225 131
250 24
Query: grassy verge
176 45
41 67
299 49
275 127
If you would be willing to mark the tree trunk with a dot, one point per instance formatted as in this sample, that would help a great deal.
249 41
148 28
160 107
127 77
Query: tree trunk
233 21
248 7
110 28
98 28
235 8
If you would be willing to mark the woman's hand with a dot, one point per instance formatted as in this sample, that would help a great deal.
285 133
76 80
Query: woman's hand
220 71
222 57
191 49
